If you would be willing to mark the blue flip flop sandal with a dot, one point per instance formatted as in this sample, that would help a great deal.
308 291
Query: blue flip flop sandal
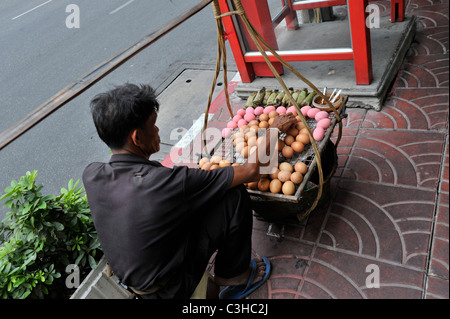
240 292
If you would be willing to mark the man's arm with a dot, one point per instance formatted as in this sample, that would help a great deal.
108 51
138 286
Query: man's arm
250 171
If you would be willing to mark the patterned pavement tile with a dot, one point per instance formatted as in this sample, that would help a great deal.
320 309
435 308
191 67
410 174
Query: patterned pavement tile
412 109
437 288
439 263
396 157
387 223
430 16
430 41
429 71
349 276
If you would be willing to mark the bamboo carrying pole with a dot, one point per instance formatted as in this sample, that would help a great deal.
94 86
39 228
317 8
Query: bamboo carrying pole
260 44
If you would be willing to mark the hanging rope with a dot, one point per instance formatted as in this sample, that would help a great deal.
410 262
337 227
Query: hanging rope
261 44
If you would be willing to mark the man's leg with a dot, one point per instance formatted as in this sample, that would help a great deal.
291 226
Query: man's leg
225 227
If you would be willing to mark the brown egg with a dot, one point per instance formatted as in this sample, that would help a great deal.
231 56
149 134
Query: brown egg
263 184
285 166
273 114
249 134
298 147
299 126
274 174
263 117
271 120
302 138
254 128
260 140
301 167
235 164
244 152
253 122
292 131
287 151
224 163
252 140
203 161
214 166
252 150
216 159
240 146
303 131
243 128
207 166
263 124
253 185
280 145
288 188
238 140
275 186
284 176
289 139
296 177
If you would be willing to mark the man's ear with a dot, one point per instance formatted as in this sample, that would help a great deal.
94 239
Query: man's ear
135 138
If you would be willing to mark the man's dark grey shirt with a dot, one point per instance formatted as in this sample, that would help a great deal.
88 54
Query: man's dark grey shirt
142 212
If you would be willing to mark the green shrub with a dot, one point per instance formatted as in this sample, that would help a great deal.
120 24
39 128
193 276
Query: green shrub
40 236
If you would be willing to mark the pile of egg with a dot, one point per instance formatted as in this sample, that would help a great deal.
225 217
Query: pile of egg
216 161
250 121
283 179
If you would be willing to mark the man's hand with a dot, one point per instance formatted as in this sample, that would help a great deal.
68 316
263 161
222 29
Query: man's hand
284 122
250 171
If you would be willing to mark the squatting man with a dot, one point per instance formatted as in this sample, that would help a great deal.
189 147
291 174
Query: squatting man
159 226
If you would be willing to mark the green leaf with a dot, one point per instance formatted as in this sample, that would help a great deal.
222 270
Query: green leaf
92 262
58 226
43 205
48 197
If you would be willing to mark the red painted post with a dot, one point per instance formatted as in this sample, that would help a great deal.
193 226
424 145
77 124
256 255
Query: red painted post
360 35
259 15
291 16
246 71
397 10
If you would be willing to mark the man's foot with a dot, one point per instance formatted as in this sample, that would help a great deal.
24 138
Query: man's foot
243 278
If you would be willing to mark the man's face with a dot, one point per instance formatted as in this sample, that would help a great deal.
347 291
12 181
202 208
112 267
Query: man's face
150 136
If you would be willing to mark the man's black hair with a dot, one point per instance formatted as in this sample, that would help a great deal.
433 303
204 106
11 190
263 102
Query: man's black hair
119 111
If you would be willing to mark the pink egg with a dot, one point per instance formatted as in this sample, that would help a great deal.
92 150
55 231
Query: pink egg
250 110
240 112
305 110
236 118
242 122
318 133
269 109
324 123
249 117
281 110
226 132
312 112
291 109
232 124
259 110
321 115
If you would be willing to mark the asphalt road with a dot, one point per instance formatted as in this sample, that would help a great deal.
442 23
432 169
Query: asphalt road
39 56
